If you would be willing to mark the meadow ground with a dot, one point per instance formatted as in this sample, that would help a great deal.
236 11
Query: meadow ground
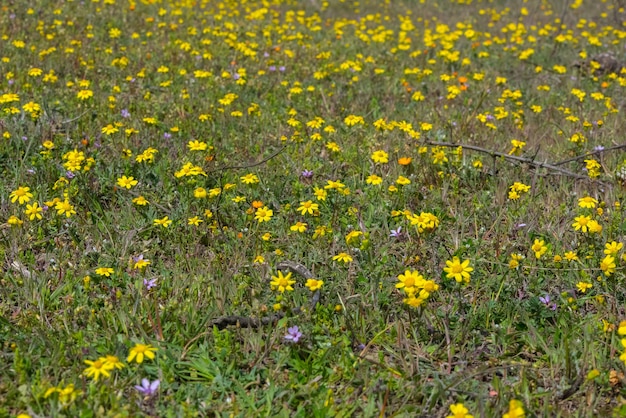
312 208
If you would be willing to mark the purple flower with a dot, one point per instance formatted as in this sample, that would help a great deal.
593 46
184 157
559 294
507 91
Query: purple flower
293 334
125 113
69 174
598 148
397 233
236 76
272 68
281 68
546 301
167 135
148 388
265 54
149 283
307 174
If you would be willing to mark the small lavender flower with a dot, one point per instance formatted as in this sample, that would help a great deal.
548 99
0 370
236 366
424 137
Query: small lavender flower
272 68
307 174
598 148
236 76
293 334
70 175
148 388
125 113
266 54
167 135
546 301
282 68
397 233
149 283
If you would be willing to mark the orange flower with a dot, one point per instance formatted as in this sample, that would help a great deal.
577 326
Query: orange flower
257 204
405 160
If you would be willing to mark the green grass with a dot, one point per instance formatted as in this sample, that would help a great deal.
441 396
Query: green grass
273 89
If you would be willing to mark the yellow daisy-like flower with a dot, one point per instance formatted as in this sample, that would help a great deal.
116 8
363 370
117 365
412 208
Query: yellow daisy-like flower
308 207
314 284
282 282
164 222
104 271
612 248
516 410
21 195
459 411
409 281
607 265
587 202
263 214
126 182
98 368
459 271
33 211
539 247
344 257
141 351
380 157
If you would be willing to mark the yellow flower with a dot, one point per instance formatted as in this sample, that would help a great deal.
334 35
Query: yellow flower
610 248
126 182
164 222
194 221
263 214
458 270
583 286
515 260
97 368
539 247
607 265
112 361
33 211
380 157
22 195
65 207
409 281
344 257
320 194
314 284
571 256
199 193
308 207
250 178
516 410
298 227
84 94
621 328
282 282
459 411
581 223
139 351
374 180
587 202
140 200
104 271
14 220
403 181
197 145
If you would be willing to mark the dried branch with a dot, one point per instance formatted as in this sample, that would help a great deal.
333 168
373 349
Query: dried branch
249 322
529 161
590 154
